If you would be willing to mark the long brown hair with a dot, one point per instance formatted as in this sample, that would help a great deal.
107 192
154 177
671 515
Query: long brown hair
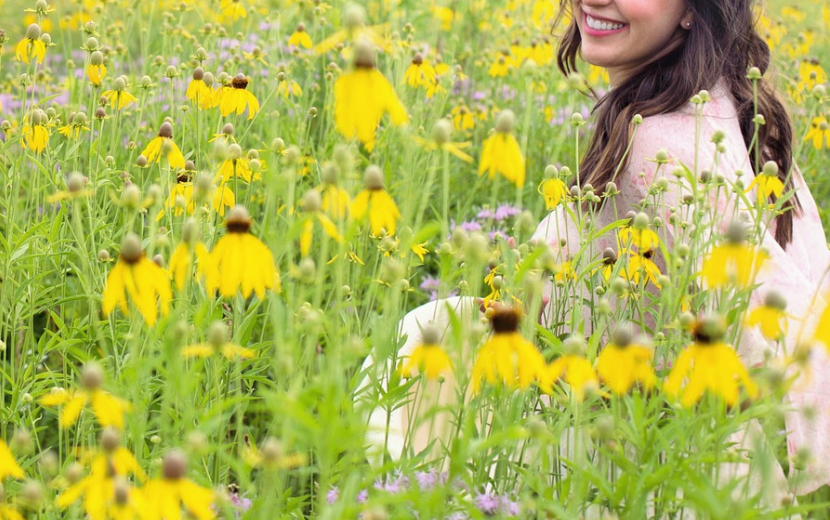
721 43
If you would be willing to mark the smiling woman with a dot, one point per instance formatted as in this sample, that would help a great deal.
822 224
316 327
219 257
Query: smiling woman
625 35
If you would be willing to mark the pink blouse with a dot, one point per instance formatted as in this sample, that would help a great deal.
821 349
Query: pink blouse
798 272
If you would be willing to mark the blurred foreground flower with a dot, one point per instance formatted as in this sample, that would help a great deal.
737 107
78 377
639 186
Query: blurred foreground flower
574 368
428 358
105 490
710 364
312 207
217 343
622 363
166 496
240 261
734 260
554 191
108 409
770 317
501 153
507 357
8 466
188 250
135 275
362 96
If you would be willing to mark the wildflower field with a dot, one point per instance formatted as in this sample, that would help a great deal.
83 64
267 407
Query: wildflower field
215 213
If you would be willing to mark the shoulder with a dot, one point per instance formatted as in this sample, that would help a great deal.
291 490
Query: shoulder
687 139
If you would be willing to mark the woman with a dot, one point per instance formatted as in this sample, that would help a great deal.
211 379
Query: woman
659 55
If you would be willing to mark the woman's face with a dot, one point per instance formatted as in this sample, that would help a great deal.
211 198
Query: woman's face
624 35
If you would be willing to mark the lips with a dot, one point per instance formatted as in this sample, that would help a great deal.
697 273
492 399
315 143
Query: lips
599 26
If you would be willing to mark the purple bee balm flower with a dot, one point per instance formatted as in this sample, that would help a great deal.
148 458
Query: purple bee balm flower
506 211
487 503
507 92
478 95
363 496
242 504
332 495
426 479
485 213
471 225
509 507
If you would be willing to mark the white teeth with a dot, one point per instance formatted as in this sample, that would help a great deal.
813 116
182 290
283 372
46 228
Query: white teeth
598 25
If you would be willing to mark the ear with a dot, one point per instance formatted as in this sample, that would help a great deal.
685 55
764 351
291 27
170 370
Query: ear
687 21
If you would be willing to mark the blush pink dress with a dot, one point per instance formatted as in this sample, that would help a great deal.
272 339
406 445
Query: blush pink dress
799 272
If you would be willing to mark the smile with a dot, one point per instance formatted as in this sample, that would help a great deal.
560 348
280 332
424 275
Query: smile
602 26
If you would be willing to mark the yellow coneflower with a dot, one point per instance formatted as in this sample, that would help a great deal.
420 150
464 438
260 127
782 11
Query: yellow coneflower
231 10
217 343
428 358
96 70
500 66
463 118
288 87
118 97
767 181
822 333
507 358
9 513
75 124
163 144
238 98
31 46
240 261
102 490
554 191
8 466
166 496
819 133
335 201
574 368
190 249
375 202
732 261
145 282
622 363
237 165
638 234
74 189
421 74
312 206
300 37
35 135
441 141
770 317
362 96
642 265
710 364
198 90
185 193
108 409
501 153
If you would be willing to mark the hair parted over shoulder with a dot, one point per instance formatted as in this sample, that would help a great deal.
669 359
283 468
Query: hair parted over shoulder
722 43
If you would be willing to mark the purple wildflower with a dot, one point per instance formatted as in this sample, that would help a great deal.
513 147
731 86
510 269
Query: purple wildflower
363 496
470 226
426 479
487 503
332 495
506 211
485 213
509 507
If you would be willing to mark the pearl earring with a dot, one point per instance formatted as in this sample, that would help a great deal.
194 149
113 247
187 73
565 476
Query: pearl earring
688 24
